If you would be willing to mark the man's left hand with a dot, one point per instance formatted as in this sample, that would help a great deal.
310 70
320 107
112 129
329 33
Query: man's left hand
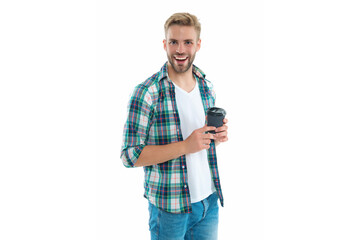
221 133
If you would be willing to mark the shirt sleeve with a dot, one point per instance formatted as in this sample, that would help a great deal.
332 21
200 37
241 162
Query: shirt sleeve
137 126
211 91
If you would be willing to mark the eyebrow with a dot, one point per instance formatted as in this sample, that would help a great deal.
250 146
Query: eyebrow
186 40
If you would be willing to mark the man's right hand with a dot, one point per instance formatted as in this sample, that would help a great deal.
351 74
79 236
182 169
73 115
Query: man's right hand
199 139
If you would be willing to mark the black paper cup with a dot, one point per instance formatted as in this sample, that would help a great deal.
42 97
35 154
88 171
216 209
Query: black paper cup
215 117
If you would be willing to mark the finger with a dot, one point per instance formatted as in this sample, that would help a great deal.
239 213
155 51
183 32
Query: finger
207 128
225 121
207 142
224 139
208 136
205 146
221 134
221 129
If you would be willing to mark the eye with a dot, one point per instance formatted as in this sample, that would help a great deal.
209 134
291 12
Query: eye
188 42
173 42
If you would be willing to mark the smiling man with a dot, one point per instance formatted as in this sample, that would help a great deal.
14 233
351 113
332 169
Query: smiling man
165 133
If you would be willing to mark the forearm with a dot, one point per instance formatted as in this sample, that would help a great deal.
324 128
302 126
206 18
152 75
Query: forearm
155 154
197 141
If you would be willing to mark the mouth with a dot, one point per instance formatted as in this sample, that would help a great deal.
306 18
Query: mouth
180 59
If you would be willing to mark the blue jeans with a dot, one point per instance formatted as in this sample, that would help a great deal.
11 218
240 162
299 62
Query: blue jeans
201 224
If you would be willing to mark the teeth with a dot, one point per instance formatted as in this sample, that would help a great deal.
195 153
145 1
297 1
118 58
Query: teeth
177 58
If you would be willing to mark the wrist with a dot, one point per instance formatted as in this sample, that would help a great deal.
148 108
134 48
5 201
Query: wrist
183 147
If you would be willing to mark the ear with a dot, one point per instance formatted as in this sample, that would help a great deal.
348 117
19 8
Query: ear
164 42
198 45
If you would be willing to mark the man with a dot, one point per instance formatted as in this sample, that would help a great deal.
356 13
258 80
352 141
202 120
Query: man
165 133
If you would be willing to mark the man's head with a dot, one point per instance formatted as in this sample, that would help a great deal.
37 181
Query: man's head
182 40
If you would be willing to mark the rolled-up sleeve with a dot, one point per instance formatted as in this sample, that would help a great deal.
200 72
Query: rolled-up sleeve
137 126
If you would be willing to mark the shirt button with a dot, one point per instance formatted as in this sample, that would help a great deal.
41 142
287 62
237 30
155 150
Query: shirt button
185 186
183 167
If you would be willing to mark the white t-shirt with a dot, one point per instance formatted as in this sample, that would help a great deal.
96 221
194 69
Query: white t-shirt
192 117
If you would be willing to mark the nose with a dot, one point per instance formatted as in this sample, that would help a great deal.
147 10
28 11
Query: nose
180 49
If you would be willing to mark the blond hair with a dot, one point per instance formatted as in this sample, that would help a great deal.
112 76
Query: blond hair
183 19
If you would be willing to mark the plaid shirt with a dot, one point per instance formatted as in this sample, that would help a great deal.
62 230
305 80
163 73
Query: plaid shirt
153 119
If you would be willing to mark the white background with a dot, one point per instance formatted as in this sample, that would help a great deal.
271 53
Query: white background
287 74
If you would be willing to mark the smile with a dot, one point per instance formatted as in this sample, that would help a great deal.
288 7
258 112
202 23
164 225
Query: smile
180 58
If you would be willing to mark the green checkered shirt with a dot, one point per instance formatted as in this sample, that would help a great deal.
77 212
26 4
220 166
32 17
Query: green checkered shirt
153 119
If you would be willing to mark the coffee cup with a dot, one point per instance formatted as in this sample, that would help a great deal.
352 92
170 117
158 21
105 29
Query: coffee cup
215 117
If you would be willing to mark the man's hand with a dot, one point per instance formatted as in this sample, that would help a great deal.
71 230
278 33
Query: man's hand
199 139
221 133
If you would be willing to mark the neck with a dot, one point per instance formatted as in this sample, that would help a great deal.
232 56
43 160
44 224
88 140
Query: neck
184 80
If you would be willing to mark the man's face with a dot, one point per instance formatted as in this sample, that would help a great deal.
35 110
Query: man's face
181 45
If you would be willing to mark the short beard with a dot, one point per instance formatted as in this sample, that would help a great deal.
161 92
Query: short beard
176 69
